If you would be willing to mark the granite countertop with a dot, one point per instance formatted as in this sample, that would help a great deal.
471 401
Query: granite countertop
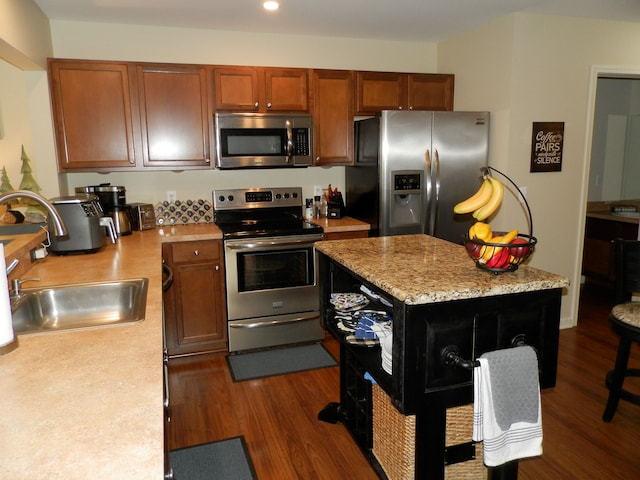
420 269
88 404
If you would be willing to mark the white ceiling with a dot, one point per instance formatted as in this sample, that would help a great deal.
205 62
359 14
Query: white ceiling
403 20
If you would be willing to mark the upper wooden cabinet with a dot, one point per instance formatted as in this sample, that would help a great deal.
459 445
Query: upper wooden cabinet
174 111
256 89
377 91
333 117
95 115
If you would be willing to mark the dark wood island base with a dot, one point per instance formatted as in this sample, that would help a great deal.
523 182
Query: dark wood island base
440 303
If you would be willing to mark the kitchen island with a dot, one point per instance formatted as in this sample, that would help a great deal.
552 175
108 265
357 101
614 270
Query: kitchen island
88 404
441 303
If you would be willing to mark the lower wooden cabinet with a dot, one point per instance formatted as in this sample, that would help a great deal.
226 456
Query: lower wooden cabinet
194 305
597 256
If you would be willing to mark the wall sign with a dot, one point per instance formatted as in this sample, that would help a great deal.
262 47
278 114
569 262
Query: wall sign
546 146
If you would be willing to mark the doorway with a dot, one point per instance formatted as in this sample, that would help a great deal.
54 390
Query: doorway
613 157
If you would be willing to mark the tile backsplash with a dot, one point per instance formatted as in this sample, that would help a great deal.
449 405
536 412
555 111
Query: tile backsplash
183 211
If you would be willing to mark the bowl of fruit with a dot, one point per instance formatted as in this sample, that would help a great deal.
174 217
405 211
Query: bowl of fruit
496 252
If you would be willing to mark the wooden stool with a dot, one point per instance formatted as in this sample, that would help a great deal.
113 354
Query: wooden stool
625 321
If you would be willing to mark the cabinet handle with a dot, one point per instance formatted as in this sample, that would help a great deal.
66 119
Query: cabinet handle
196 253
400 107
256 105
217 267
269 105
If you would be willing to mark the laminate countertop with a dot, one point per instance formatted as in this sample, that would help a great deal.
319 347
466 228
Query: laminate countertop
88 404
419 269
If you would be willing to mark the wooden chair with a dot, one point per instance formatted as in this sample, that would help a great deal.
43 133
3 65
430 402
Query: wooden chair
625 321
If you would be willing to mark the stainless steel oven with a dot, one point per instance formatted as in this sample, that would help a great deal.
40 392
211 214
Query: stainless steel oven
271 267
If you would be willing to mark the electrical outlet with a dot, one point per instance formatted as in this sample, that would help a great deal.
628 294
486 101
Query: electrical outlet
171 195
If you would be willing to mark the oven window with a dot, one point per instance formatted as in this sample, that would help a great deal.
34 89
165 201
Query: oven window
244 142
275 269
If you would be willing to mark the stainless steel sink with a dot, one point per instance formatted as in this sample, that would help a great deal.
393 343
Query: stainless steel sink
79 306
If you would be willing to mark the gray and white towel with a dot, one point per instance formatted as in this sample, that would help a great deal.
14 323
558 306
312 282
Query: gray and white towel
507 414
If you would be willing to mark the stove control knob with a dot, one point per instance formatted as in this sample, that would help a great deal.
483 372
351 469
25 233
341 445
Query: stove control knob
294 195
230 197
286 195
221 198
278 196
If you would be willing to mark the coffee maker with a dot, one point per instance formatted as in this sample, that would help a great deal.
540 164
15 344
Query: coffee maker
113 200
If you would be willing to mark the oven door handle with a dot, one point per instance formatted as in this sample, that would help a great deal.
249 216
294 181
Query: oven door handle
269 243
273 323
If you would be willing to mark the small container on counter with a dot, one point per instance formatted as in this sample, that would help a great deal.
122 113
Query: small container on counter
308 212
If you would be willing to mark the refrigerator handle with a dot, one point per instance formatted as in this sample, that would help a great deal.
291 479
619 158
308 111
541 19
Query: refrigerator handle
426 222
434 207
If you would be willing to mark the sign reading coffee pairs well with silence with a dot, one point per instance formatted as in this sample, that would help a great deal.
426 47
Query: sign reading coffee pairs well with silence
546 146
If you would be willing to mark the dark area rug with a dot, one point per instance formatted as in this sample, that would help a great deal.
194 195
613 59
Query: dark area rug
278 361
224 460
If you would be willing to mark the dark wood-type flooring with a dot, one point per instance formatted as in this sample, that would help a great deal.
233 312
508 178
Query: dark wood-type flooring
278 415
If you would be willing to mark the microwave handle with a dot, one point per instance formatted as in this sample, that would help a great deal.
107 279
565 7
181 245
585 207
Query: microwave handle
289 142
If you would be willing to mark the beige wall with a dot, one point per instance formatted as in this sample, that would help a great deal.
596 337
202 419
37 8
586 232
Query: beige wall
530 68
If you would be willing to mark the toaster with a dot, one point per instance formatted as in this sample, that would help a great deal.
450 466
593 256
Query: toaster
143 216
81 215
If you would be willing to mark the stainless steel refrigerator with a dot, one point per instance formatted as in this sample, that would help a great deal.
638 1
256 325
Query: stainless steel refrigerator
412 167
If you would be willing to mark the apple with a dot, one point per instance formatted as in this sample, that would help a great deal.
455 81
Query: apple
473 249
522 251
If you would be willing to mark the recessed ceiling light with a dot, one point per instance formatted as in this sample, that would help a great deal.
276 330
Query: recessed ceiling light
270 5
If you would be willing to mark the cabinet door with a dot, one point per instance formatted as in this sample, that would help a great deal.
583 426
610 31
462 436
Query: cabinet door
93 110
333 117
430 92
286 90
377 91
195 308
175 115
236 89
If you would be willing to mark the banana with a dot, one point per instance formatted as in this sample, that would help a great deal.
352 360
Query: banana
488 251
476 200
487 209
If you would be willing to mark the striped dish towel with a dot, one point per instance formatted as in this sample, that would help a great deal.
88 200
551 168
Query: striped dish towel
507 415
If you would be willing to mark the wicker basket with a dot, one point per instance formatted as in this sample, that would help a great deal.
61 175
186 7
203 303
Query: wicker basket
394 440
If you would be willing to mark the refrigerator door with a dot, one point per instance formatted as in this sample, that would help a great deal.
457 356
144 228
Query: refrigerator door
459 149
404 142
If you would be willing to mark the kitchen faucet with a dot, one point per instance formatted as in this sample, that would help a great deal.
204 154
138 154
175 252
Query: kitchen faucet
59 228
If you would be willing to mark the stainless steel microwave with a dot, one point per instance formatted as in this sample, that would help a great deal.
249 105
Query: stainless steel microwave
254 140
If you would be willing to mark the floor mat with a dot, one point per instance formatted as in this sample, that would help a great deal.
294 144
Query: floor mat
278 361
226 459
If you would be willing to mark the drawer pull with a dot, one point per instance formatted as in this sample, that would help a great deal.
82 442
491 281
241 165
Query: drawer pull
196 253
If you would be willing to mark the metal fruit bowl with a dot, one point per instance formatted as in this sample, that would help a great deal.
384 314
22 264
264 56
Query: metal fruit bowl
482 252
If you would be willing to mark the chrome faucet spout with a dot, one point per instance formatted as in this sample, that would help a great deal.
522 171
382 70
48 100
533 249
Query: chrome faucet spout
59 228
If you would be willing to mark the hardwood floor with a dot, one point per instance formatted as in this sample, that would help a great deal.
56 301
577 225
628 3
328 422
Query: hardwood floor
278 415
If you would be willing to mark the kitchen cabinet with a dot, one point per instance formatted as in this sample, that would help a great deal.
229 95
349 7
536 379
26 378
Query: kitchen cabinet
95 115
174 112
195 304
377 91
256 89
598 256
333 117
